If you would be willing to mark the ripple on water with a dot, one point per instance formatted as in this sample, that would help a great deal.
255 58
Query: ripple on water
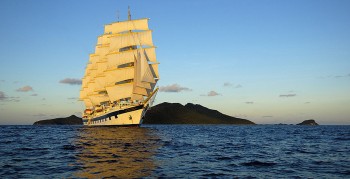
256 163
196 151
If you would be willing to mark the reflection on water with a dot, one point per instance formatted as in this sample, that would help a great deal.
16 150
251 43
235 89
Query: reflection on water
116 152
181 151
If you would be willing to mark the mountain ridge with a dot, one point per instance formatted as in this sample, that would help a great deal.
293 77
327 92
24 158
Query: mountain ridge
70 120
176 113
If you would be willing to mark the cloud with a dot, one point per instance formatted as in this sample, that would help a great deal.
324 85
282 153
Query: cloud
25 89
342 76
335 76
5 98
15 100
249 102
39 115
73 98
2 96
287 95
228 84
211 93
3 81
71 81
267 116
174 88
307 102
34 94
43 99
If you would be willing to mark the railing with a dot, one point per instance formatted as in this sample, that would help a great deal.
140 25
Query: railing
121 105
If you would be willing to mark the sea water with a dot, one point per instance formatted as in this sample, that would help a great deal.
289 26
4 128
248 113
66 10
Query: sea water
190 151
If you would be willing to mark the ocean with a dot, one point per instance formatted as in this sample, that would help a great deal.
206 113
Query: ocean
175 151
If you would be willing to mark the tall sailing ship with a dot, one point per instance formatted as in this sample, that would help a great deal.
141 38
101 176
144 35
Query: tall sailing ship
118 86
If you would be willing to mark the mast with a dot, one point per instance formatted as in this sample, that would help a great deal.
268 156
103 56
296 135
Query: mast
129 14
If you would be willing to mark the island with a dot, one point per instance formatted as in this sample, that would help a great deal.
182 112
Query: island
71 120
168 113
309 122
176 113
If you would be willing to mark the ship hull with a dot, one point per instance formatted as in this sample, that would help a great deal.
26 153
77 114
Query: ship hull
121 117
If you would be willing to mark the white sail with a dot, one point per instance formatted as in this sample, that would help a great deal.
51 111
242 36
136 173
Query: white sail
137 97
117 92
101 50
147 75
90 87
84 81
118 27
83 93
103 39
93 59
96 99
145 71
93 72
150 54
87 103
140 91
131 39
119 75
145 85
101 66
88 68
100 83
154 70
120 58
142 77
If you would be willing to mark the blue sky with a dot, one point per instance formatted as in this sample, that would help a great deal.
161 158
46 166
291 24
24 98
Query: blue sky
268 61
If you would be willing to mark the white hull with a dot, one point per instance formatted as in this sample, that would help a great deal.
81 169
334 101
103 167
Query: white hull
118 118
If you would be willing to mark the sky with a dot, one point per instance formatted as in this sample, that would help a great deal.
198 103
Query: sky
268 61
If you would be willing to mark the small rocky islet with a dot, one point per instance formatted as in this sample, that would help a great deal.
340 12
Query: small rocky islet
309 122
